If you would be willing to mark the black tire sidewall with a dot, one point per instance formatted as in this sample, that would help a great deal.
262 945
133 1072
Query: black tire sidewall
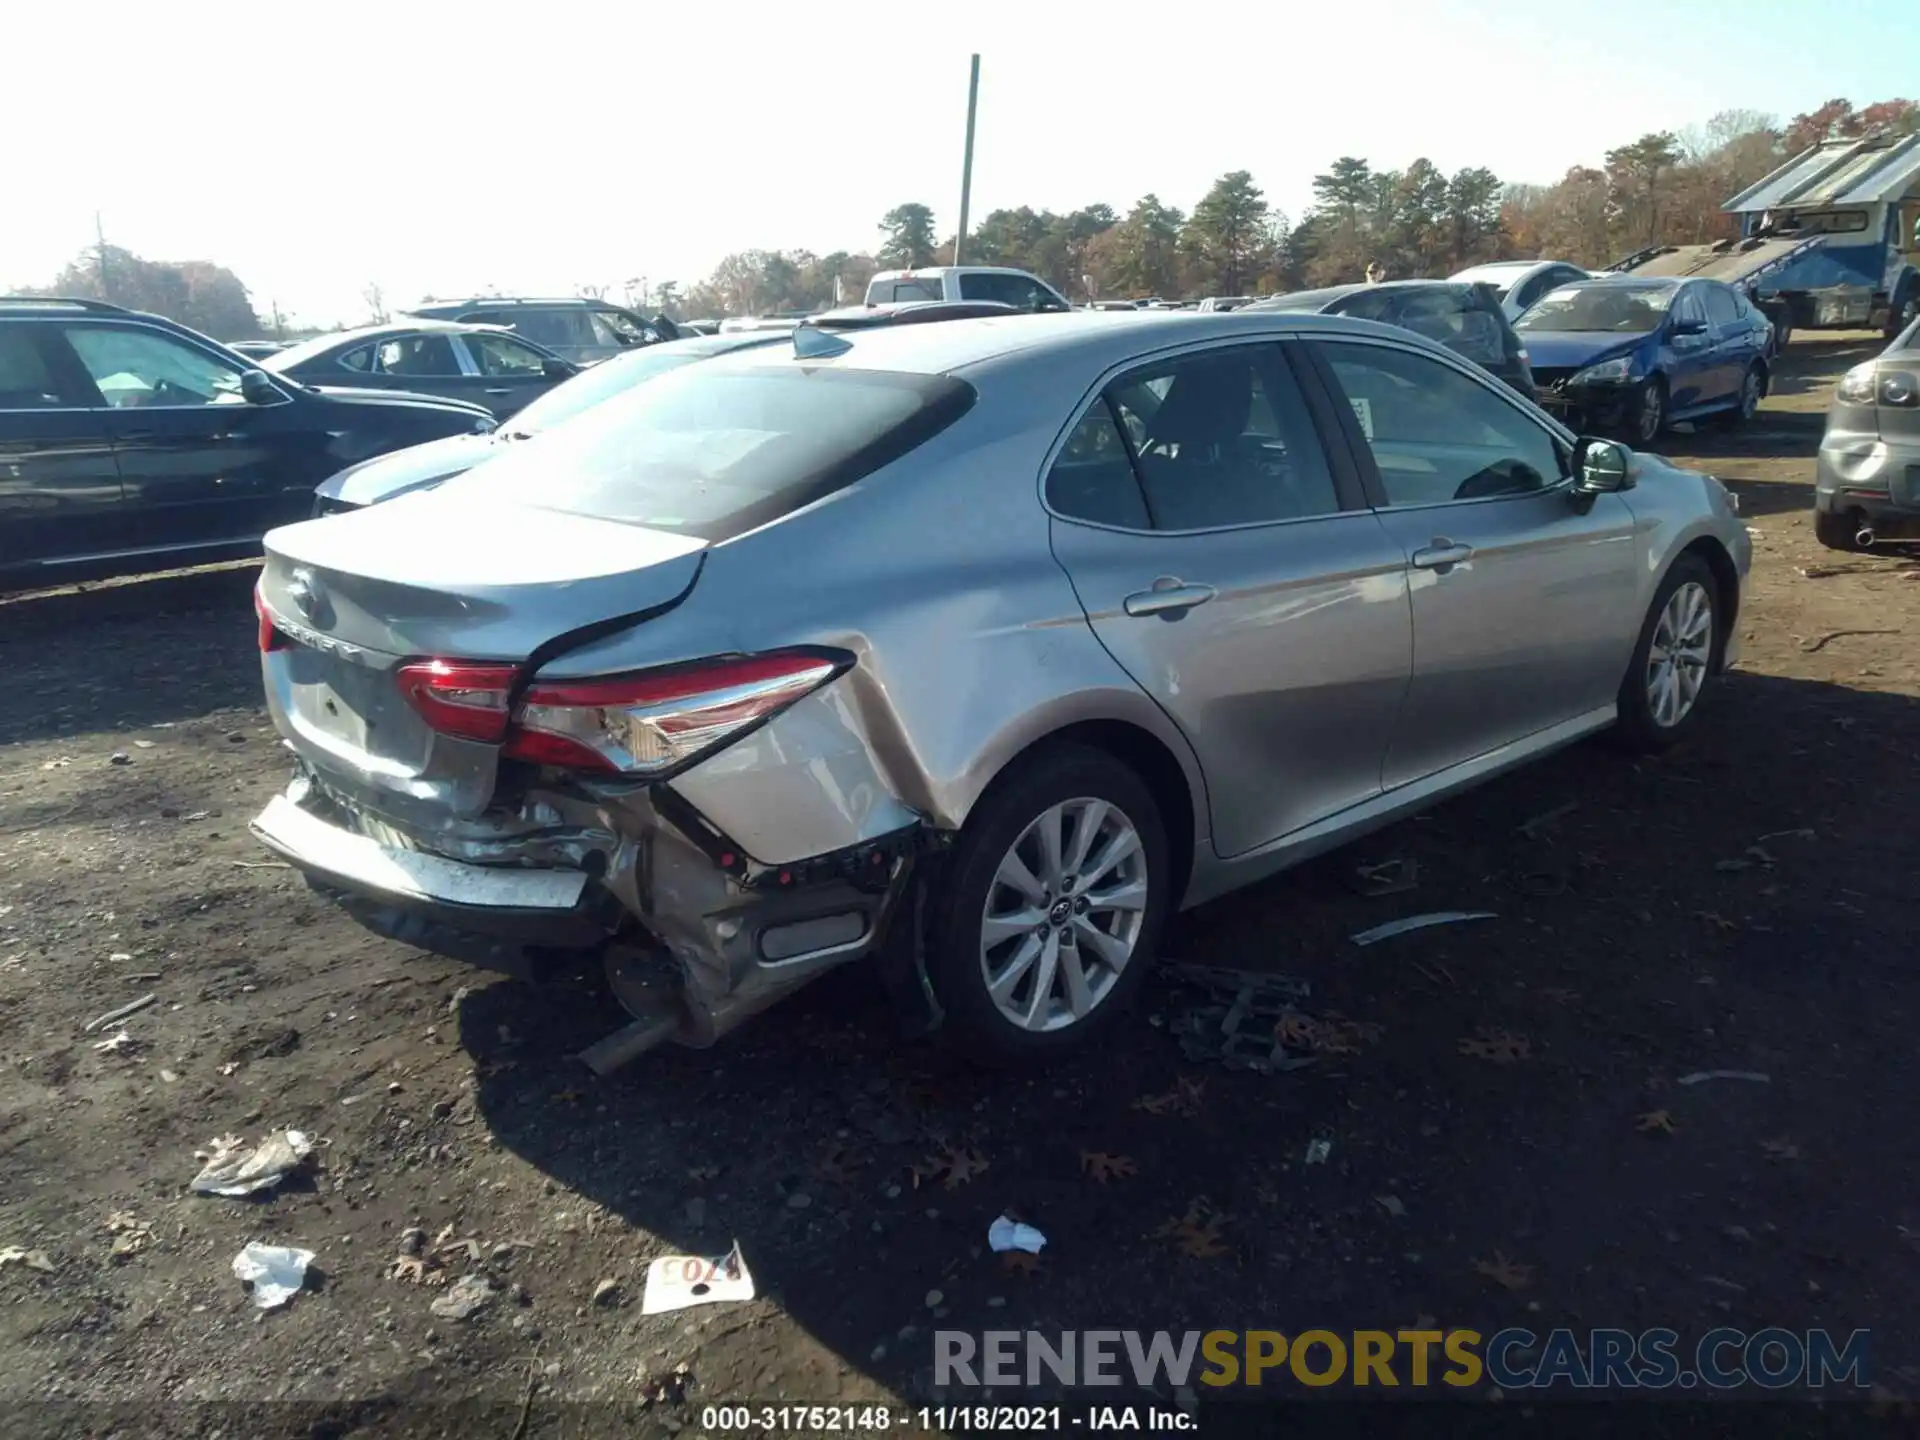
974 1025
1835 530
1637 727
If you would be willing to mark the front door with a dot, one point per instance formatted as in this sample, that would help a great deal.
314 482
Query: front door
1522 604
1197 513
1692 381
200 465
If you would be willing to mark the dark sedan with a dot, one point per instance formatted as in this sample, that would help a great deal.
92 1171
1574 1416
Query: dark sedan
480 364
1467 319
1633 355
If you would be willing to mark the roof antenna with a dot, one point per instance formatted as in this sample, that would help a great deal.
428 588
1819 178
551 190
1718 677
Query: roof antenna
812 343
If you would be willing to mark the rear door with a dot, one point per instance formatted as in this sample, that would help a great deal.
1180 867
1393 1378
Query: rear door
425 362
199 465
1733 342
1225 559
507 373
1522 604
59 484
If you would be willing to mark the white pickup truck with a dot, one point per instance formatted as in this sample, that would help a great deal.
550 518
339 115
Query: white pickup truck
965 282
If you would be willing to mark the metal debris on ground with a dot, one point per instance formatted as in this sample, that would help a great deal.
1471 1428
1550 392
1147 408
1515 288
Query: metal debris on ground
234 1168
1420 922
1754 1075
1006 1234
132 1007
676 1281
276 1272
1238 1023
1386 877
465 1298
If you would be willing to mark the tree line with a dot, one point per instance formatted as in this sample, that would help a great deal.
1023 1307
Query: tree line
1663 187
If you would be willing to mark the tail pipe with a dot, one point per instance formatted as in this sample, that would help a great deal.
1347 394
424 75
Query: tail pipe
1863 537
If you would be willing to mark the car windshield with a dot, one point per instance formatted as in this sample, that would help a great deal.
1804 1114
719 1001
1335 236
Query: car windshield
715 450
609 378
1618 309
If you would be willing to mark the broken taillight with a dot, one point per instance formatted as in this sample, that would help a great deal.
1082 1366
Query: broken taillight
270 635
648 723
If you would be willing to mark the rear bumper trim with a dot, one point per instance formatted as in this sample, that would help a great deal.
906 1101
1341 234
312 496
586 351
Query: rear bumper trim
357 863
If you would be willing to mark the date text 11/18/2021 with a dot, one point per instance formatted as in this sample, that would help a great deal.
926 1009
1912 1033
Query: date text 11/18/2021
940 1419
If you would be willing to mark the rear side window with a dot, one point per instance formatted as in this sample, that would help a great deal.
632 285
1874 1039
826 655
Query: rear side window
716 452
893 292
26 382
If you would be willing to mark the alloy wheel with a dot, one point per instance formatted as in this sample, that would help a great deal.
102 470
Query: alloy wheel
1681 651
1063 914
1749 394
1653 413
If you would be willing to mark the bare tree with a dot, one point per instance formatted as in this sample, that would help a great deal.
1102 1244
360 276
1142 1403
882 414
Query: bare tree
376 303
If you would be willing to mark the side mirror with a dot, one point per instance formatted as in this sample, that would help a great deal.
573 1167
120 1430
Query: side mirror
555 369
1689 327
257 389
1601 467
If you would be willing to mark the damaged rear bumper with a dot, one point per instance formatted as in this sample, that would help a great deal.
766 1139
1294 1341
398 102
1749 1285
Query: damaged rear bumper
696 931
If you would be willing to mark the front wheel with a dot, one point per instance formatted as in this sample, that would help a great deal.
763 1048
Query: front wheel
1677 655
1649 410
1051 909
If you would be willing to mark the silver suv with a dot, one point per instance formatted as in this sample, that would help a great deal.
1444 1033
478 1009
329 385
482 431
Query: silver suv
577 329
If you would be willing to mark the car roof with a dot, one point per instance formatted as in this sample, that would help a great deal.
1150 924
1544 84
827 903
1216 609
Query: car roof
965 345
481 302
1502 267
1308 300
412 326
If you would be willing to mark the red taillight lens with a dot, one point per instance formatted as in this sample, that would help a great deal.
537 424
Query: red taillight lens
659 720
466 700
270 635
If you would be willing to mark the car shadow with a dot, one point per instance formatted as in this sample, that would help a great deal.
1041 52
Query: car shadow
144 645
860 1172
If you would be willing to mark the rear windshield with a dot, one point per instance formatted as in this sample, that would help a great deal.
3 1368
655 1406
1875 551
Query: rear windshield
889 292
610 377
1454 315
714 452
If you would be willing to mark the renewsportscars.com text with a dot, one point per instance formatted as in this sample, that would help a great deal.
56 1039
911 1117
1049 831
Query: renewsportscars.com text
1512 1359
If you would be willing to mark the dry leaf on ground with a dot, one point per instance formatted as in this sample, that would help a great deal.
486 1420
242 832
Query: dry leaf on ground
951 1166
1104 1167
1197 1233
1502 1047
1019 1262
1504 1272
1184 1099
414 1270
1654 1120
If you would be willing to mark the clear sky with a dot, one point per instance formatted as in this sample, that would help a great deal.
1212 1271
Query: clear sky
541 144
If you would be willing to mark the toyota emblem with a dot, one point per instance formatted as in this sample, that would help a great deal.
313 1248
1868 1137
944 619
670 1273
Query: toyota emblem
304 593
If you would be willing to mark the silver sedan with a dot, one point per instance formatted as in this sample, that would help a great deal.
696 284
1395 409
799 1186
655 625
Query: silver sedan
971 650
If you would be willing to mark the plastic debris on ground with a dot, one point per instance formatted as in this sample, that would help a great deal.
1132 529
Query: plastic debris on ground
1420 922
676 1281
32 1259
1754 1075
1317 1151
277 1273
1007 1234
462 1299
234 1168
1238 1021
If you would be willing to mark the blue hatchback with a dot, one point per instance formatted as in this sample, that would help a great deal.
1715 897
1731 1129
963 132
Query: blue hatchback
1633 355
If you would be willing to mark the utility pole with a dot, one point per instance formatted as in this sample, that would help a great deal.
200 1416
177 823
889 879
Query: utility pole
966 164
100 233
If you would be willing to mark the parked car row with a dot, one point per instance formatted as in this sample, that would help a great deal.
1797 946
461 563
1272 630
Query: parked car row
974 650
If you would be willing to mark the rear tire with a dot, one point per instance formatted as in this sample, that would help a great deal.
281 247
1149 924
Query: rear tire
1675 660
1753 386
1836 530
1025 959
1903 313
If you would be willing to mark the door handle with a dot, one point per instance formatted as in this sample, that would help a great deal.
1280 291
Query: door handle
1442 554
1167 597
503 390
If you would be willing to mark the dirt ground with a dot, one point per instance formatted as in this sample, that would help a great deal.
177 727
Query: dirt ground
1746 904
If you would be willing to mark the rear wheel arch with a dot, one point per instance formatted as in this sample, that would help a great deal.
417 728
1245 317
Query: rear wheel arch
1149 757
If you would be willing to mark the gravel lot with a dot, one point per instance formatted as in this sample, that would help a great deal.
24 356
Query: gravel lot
1746 903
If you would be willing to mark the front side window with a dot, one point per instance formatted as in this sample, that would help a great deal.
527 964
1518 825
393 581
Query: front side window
1721 307
1217 439
136 368
612 327
504 356
1687 309
1437 435
422 356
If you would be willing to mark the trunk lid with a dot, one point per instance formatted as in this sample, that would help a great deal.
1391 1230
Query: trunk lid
438 575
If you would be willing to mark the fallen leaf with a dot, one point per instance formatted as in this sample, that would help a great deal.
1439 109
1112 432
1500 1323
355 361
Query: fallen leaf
415 1270
1782 1149
1184 1099
839 1164
1502 1047
1197 1233
704 1172
1653 1120
569 1096
952 1167
1104 1167
1019 1262
1504 1272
